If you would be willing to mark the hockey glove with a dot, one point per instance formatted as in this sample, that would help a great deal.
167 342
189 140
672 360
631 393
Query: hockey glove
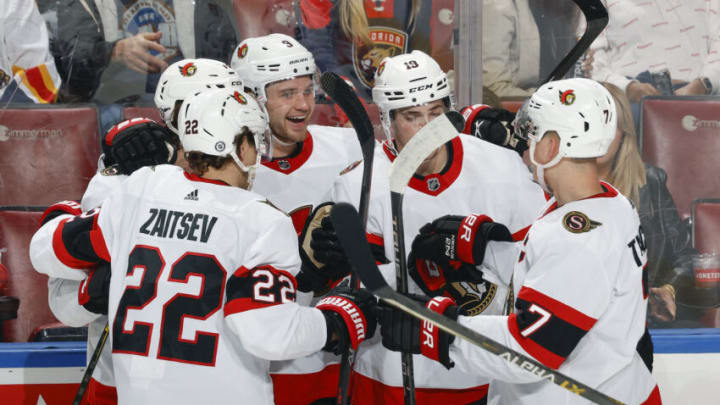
493 125
402 332
349 316
60 208
453 237
94 290
471 298
433 278
323 260
137 143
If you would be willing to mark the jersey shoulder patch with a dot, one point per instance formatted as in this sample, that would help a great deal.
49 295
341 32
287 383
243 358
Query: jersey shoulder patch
352 166
577 222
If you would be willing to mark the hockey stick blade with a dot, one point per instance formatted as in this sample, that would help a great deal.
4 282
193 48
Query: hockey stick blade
596 19
352 238
432 136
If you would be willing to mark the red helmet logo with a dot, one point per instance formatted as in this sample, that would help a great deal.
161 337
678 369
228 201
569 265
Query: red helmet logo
188 70
242 51
567 97
239 98
380 69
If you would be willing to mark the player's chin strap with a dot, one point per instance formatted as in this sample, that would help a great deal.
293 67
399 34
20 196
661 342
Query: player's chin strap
541 168
250 170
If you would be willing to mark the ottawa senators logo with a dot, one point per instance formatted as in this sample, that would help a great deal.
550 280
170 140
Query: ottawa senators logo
567 97
367 59
242 51
239 98
577 222
188 69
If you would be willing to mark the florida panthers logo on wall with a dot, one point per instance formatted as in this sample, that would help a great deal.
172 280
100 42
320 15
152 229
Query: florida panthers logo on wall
239 98
387 42
188 69
567 97
242 51
577 222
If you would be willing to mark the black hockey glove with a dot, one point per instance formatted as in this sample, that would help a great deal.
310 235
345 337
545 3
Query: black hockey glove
454 237
493 125
323 260
60 208
137 143
349 316
94 290
403 332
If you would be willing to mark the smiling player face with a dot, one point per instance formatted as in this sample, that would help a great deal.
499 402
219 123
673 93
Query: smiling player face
290 104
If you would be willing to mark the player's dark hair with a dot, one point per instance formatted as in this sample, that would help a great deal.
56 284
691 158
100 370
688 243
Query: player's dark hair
200 162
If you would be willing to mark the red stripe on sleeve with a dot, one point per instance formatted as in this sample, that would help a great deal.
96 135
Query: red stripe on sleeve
375 239
61 251
541 354
520 235
98 241
557 308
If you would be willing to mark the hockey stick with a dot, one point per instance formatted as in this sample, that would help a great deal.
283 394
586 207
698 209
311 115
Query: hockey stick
596 19
91 366
347 99
352 238
432 136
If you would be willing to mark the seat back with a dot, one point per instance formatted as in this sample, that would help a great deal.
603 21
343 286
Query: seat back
706 225
16 230
47 154
143 112
682 136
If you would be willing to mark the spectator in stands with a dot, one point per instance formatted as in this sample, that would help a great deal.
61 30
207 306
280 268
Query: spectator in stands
351 37
25 60
644 37
666 236
142 37
523 41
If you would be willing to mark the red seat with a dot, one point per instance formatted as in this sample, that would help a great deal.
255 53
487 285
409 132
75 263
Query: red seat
261 17
512 105
441 27
16 230
706 225
47 154
143 112
680 135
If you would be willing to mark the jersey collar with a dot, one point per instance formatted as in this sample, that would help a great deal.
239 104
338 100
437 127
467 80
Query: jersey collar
293 162
608 192
195 177
436 183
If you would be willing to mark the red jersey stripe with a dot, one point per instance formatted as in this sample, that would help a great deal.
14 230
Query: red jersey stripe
558 309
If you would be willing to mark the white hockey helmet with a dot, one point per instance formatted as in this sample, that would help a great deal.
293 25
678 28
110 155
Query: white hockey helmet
271 58
190 76
582 113
409 80
210 121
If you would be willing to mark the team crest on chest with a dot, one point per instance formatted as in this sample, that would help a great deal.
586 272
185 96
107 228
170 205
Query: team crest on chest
473 298
433 184
283 164
387 42
577 222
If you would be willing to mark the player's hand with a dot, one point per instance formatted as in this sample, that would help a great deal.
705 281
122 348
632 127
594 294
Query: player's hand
94 290
402 332
492 125
693 88
323 260
636 90
134 52
433 278
63 207
350 317
137 143
662 303
454 237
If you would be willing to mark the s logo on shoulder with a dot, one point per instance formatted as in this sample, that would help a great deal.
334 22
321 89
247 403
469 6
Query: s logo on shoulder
577 222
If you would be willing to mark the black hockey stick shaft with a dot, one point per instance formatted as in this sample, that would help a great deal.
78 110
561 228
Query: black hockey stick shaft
91 366
596 19
408 373
352 239
344 96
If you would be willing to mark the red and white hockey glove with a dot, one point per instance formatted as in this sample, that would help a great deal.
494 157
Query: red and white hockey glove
60 208
402 332
350 317
95 289
454 237
492 125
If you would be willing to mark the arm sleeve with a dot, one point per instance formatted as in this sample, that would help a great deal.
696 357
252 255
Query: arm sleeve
261 305
550 319
63 300
28 49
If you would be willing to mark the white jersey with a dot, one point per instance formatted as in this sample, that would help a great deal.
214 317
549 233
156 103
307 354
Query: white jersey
481 178
63 293
25 59
298 183
580 308
202 290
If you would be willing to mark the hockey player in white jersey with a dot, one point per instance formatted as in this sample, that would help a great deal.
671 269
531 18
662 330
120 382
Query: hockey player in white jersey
466 176
579 282
202 292
126 147
306 161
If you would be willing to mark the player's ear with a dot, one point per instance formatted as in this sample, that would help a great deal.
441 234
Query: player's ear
246 150
547 148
